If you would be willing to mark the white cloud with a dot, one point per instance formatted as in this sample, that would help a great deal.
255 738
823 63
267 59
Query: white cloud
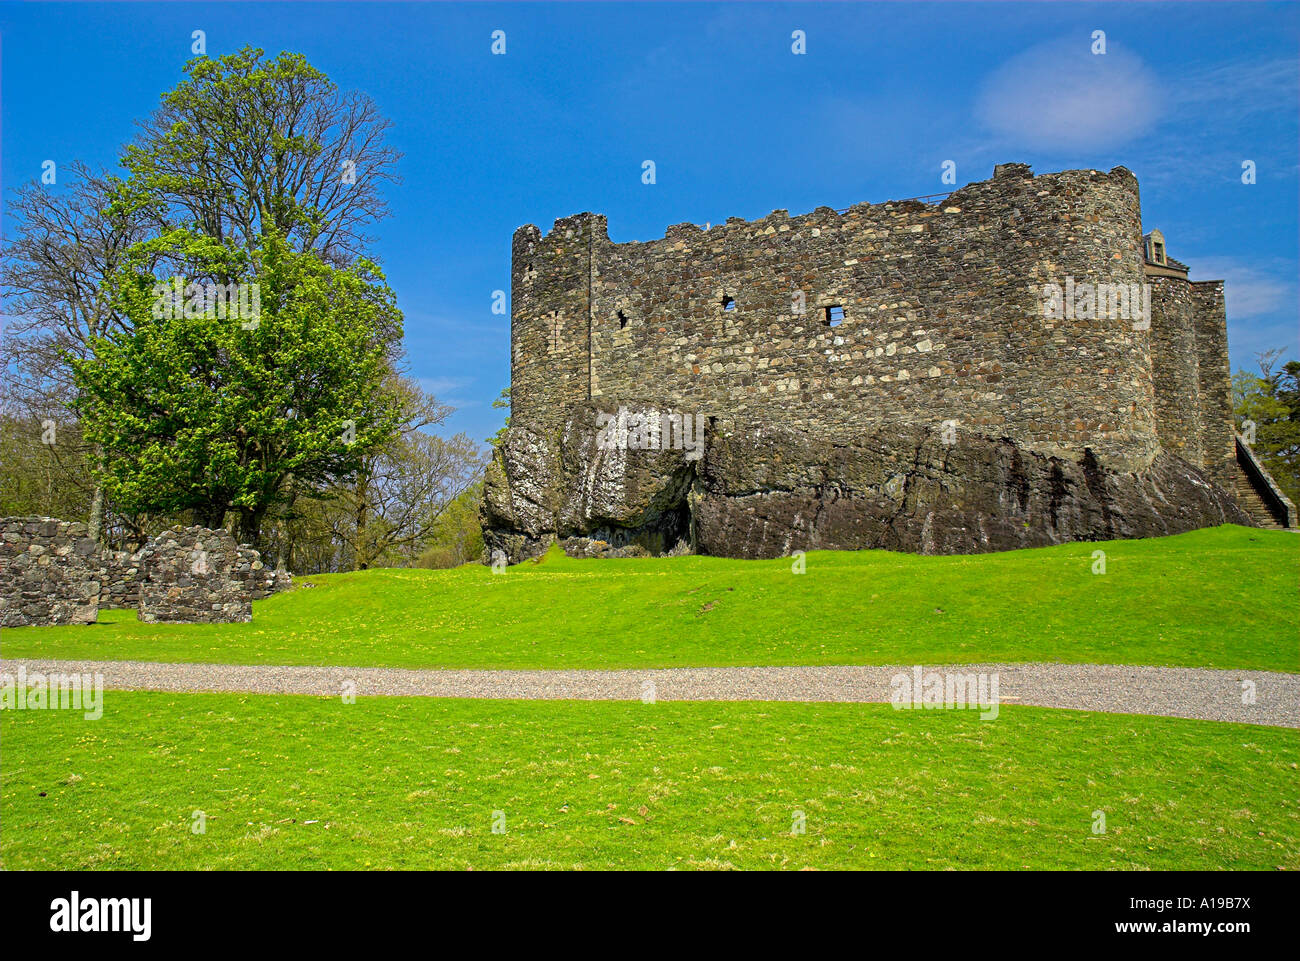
1247 85
1249 290
1059 96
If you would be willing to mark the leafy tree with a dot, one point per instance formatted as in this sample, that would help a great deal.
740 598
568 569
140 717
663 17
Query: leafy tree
384 513
42 468
1271 400
501 403
248 146
457 536
210 413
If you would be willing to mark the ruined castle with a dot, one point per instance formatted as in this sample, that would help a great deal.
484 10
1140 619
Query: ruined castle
1014 364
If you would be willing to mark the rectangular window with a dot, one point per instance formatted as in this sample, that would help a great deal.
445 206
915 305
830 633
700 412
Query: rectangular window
834 316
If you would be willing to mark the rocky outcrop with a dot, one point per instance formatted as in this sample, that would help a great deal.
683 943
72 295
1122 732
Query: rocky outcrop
545 484
49 572
587 547
764 491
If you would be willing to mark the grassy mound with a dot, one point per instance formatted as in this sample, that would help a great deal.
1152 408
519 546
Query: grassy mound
1224 597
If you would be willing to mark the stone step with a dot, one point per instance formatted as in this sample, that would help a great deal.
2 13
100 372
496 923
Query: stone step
1252 502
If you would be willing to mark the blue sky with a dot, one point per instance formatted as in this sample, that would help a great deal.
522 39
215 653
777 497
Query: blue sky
736 123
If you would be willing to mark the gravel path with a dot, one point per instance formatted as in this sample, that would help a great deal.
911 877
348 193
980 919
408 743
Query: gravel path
1171 691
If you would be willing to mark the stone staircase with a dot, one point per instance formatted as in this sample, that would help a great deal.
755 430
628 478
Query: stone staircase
1258 494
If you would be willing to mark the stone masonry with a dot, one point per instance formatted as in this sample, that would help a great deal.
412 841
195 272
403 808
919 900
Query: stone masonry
120 578
883 377
49 572
194 575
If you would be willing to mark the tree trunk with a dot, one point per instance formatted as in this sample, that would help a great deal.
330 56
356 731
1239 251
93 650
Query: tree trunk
210 516
96 525
250 526
359 559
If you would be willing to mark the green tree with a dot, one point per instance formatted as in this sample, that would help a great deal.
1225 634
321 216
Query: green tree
248 146
501 403
384 513
198 410
457 536
1271 401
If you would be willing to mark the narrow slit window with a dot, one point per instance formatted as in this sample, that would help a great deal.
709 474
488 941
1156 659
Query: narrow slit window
834 316
728 303
622 320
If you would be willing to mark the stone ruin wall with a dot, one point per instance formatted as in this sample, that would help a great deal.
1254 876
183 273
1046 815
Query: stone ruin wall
942 318
191 575
121 575
119 580
52 572
49 572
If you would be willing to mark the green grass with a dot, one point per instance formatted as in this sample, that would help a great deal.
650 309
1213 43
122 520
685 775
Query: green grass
1225 597
298 782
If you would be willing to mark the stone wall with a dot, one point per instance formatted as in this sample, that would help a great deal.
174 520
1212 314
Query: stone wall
194 575
1218 441
49 572
1192 374
119 580
259 580
1176 367
942 317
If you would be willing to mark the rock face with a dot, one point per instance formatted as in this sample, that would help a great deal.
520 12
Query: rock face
49 572
195 575
764 491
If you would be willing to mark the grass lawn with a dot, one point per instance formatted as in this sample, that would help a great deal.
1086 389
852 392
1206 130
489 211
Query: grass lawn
1224 597
299 782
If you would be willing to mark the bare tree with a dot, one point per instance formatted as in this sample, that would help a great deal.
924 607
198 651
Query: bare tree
386 511
66 244
247 144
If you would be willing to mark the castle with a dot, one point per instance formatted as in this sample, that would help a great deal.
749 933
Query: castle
1012 364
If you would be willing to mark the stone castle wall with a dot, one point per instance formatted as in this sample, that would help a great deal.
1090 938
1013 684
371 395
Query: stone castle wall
1218 443
947 411
942 317
1189 355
